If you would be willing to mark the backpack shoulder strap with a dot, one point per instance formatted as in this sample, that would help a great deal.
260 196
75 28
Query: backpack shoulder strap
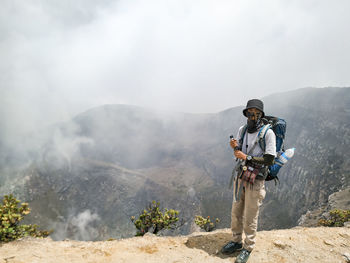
261 136
244 130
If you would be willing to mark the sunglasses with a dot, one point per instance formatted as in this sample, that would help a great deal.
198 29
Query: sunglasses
257 115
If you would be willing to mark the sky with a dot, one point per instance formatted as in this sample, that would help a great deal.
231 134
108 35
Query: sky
60 58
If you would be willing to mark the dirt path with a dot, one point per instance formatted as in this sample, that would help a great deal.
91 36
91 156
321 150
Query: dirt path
292 245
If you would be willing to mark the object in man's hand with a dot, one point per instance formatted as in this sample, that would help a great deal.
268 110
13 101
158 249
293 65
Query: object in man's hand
235 148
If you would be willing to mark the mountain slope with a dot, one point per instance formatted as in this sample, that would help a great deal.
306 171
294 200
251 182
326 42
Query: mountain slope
108 163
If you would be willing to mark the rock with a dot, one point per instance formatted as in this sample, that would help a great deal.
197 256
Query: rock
344 235
8 258
329 243
347 257
280 244
347 224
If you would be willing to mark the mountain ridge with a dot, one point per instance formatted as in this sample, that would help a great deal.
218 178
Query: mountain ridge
185 162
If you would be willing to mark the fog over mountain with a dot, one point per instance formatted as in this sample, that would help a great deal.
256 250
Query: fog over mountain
87 176
59 58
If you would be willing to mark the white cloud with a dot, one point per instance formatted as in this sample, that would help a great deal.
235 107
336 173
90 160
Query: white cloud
60 58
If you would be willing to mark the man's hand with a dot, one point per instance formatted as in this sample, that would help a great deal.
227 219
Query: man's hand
240 155
233 143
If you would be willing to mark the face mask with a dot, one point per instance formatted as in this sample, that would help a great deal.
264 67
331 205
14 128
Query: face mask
252 125
253 122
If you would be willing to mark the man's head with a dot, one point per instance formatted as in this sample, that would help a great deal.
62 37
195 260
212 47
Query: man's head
254 104
254 111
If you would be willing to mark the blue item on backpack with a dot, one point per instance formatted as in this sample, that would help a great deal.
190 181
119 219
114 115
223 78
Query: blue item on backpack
282 158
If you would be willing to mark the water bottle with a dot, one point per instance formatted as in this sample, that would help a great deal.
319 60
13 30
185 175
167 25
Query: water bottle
284 157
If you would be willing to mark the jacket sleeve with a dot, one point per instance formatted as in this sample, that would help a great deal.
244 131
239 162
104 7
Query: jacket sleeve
267 160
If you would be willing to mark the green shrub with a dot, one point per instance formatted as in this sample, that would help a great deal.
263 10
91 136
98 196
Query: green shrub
337 217
205 223
153 219
10 217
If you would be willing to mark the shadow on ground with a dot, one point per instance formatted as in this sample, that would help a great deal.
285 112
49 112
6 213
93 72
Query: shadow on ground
211 243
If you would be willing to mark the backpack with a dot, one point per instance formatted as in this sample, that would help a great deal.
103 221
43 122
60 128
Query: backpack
278 126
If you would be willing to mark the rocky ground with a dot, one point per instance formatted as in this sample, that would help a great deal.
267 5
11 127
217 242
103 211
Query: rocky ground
337 200
291 245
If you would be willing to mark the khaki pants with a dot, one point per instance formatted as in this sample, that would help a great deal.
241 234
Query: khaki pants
245 212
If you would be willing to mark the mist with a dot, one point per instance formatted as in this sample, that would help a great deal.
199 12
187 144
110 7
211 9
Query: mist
79 226
59 60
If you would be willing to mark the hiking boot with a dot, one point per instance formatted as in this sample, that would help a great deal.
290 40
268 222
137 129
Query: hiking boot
231 247
243 256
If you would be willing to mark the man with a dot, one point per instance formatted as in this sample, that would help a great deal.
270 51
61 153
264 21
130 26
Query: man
249 184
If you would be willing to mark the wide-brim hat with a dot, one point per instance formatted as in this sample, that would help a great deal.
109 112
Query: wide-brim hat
254 103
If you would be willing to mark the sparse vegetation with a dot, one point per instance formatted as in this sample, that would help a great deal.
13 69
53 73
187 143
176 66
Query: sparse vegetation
205 223
337 218
153 219
10 217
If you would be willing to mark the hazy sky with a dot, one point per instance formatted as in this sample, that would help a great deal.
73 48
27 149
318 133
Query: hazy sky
61 57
